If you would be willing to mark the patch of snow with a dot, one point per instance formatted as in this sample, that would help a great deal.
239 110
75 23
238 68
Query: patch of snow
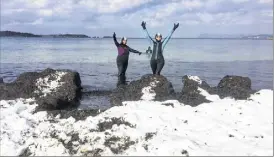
207 95
195 78
148 93
46 86
222 127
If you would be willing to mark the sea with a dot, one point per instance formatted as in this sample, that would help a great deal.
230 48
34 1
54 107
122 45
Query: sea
95 59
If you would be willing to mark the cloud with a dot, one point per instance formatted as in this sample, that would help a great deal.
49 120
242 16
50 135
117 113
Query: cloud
99 17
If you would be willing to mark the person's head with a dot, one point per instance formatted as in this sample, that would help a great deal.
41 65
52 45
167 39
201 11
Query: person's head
158 37
124 41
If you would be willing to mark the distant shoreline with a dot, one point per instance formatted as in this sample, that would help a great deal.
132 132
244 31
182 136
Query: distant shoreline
27 35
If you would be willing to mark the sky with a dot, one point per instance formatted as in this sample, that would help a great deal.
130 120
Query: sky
103 17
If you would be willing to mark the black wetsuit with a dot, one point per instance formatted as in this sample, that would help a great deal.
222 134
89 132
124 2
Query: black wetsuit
157 60
122 60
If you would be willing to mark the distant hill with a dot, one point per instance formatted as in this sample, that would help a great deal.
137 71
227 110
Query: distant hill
260 36
229 36
17 34
20 34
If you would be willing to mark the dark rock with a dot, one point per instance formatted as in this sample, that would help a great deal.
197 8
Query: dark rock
133 92
190 94
75 113
25 86
25 152
95 152
185 152
168 104
149 135
107 124
1 80
233 86
117 144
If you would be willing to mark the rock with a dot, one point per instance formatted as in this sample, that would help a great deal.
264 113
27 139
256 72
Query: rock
237 87
53 89
190 94
158 88
1 80
75 113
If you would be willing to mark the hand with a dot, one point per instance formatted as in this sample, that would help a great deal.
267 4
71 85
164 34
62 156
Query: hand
114 35
140 53
175 26
143 25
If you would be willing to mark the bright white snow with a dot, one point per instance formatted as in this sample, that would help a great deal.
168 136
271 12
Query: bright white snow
195 78
222 127
148 93
47 86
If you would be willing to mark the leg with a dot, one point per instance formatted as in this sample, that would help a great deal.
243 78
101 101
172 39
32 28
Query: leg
153 65
123 74
120 70
160 65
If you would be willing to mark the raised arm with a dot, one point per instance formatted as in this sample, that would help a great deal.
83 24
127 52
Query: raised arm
115 40
169 36
134 51
146 32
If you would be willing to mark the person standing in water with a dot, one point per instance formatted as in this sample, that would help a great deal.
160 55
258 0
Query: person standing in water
157 60
122 58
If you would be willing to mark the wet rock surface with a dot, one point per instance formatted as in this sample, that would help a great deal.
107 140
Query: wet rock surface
190 94
133 92
53 89
237 87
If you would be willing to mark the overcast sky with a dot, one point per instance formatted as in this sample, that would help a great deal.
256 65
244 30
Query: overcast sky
103 17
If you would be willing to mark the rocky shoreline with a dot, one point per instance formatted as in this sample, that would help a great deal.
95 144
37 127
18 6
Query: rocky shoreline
59 91
146 116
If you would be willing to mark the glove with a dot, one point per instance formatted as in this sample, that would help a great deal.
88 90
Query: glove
114 35
175 26
143 25
140 53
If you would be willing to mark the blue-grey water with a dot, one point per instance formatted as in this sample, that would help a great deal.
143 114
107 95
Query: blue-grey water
95 59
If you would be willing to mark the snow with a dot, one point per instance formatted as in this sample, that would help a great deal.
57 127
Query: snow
195 78
46 86
222 127
148 93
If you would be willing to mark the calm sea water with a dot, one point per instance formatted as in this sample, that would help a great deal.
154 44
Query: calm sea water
95 59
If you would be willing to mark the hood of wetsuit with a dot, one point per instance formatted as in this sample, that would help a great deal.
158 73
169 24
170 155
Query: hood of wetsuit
158 35
124 38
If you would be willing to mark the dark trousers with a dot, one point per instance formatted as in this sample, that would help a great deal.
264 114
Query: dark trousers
157 65
122 63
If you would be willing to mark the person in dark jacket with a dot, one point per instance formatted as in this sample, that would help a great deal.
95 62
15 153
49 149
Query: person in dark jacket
157 60
122 58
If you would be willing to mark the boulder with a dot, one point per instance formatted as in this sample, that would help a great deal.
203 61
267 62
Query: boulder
52 89
237 87
149 87
190 94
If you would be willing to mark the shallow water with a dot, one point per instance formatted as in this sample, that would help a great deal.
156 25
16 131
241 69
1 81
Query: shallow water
95 60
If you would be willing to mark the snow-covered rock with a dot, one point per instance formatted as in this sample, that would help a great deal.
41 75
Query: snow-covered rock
145 127
158 88
52 89
190 93
236 87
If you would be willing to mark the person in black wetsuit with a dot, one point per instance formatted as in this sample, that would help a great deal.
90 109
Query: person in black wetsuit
157 60
122 58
